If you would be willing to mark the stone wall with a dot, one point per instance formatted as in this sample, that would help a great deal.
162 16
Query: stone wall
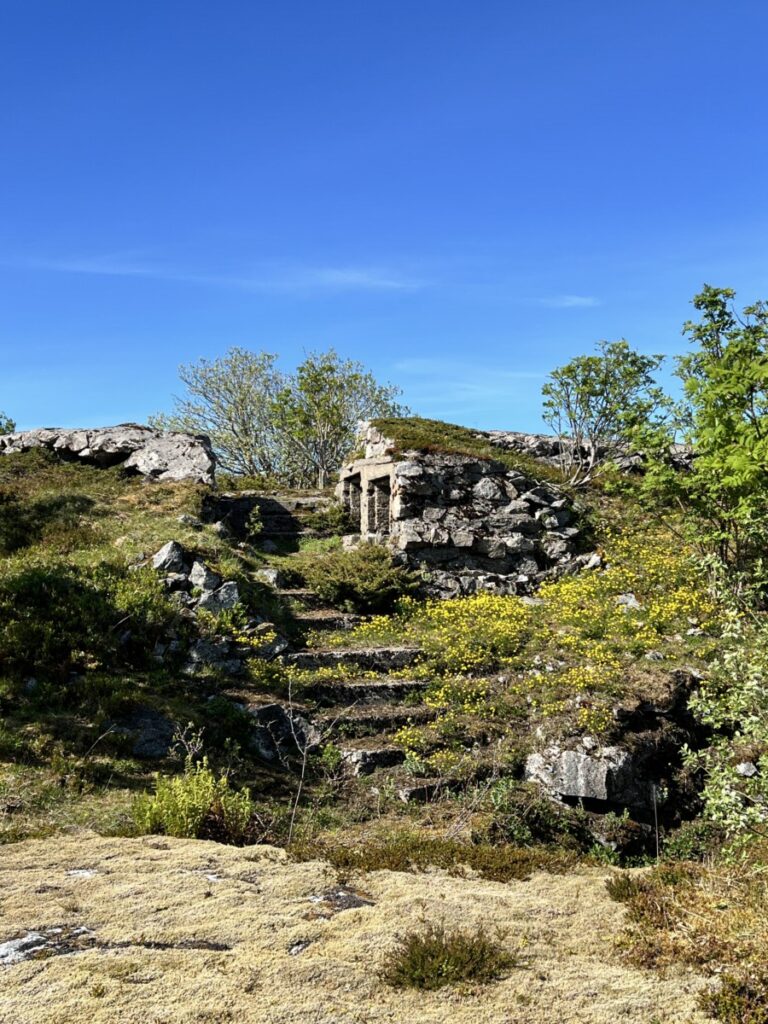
473 523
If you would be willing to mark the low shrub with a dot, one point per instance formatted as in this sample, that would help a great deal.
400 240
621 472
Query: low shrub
364 579
524 818
434 957
55 617
693 840
408 852
738 1001
196 805
332 521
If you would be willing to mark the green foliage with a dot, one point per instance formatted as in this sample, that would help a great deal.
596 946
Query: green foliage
332 521
523 817
230 400
724 419
405 851
318 410
268 425
196 805
413 433
363 579
595 403
434 957
55 617
7 425
733 703
55 520
738 1000
693 840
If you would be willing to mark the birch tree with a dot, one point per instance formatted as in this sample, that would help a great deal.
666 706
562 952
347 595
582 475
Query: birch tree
595 403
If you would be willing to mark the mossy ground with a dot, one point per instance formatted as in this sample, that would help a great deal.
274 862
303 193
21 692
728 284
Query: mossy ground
434 436
190 932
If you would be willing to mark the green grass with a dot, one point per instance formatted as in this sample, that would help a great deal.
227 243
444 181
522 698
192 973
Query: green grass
433 436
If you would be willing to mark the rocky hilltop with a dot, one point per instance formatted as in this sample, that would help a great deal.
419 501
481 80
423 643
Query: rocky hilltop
152 453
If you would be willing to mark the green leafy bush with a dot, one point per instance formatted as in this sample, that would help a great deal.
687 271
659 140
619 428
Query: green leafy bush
55 617
56 520
332 521
435 957
196 805
363 579
693 840
523 817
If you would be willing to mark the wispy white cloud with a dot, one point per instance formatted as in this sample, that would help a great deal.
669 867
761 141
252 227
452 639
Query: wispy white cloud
462 371
274 278
466 392
570 301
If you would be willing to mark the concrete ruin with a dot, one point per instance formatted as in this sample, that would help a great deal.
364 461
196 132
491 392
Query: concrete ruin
470 522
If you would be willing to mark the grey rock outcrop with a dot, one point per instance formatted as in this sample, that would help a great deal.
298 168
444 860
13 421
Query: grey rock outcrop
170 558
220 600
606 775
151 453
151 731
280 733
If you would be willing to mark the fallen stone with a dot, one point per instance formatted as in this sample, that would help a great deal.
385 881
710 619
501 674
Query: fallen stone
220 600
152 732
202 577
218 655
170 558
280 733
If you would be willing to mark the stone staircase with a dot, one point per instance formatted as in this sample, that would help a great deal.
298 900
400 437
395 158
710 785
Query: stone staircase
282 517
361 709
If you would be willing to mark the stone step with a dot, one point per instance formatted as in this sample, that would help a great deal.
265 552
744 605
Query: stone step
288 534
329 619
354 693
301 596
273 504
362 758
376 659
368 719
421 790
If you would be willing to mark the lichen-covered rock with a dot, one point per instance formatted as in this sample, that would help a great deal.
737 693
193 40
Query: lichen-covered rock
202 577
153 454
221 600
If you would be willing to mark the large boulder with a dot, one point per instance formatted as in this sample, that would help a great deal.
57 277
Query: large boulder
153 454
604 775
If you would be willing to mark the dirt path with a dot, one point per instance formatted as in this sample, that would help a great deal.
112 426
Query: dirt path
185 932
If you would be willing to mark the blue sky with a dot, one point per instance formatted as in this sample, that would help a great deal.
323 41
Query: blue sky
461 195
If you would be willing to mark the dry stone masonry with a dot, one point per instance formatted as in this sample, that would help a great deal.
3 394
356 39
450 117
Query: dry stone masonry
152 453
473 523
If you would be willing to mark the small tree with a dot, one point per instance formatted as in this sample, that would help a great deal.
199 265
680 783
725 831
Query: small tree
723 418
7 425
231 400
317 411
594 403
